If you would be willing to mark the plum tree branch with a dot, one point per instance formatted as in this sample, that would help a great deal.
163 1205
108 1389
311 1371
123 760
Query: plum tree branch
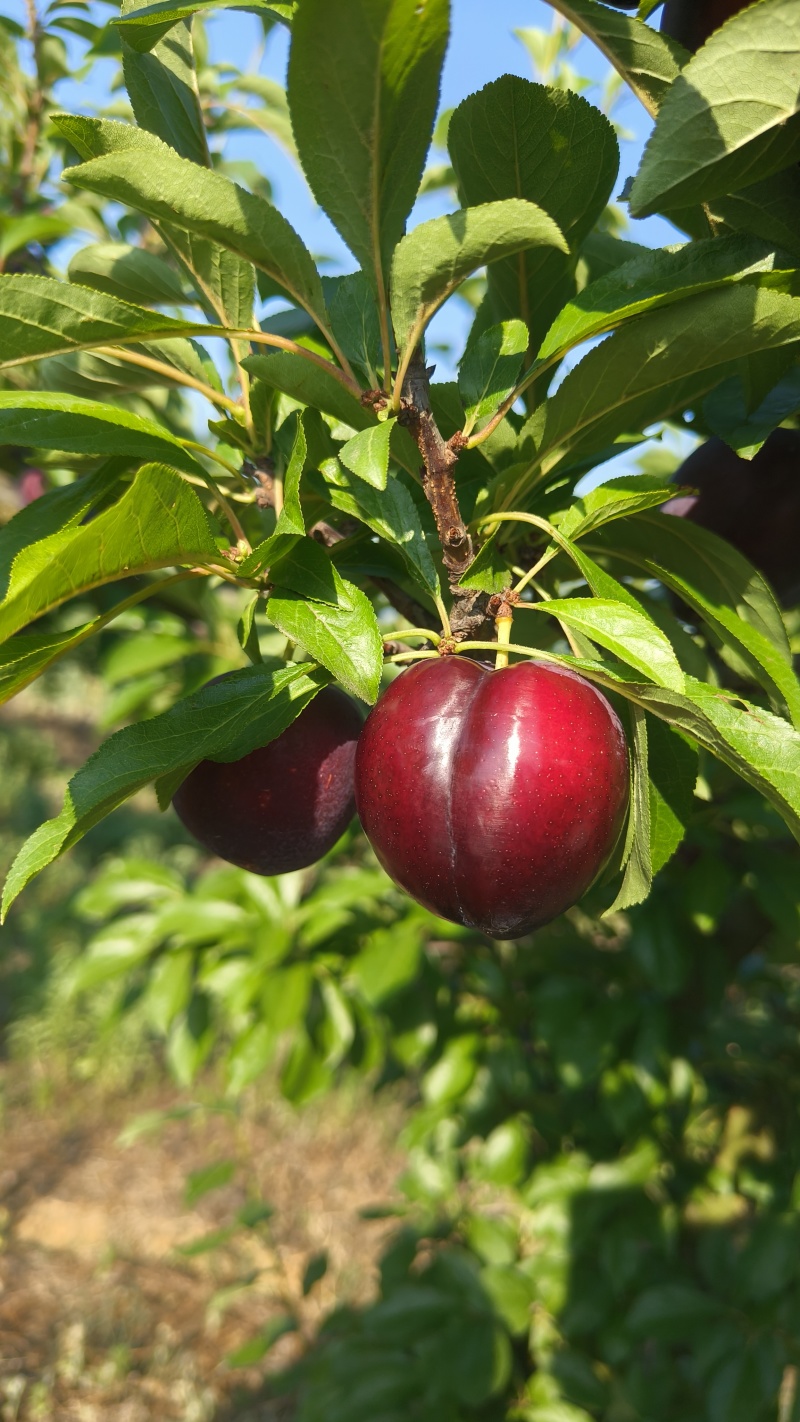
468 616
468 613
438 459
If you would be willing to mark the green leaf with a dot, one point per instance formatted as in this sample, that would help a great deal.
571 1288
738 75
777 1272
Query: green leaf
143 27
769 209
158 523
367 454
763 749
511 1291
515 139
724 409
257 1348
309 385
207 1243
625 632
190 1040
307 569
285 1000
187 356
638 877
134 656
57 509
345 639
602 253
290 524
671 1311
438 255
451 1076
505 1154
655 279
130 273
22 659
331 618
731 117
249 1056
617 499
210 1177
391 513
181 194
163 90
354 320
316 1269
42 317
66 422
388 963
17 232
490 370
720 584
223 281
489 571
672 765
247 630
113 951
741 1380
150 1122
224 721
304 1074
271 115
648 61
335 1034
363 91
169 989
659 364
602 584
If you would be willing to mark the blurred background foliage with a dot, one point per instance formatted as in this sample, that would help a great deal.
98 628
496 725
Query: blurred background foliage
600 1213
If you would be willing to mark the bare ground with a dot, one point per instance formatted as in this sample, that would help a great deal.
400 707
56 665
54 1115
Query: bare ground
101 1316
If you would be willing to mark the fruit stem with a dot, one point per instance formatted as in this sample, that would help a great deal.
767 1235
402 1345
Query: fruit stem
419 656
442 611
405 633
518 651
537 522
505 619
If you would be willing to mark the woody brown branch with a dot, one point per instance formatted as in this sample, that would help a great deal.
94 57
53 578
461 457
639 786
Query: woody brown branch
439 459
468 615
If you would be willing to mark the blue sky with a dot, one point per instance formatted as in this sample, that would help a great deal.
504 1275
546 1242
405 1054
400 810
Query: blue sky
480 50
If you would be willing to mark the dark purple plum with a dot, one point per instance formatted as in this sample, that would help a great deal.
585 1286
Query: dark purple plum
494 798
690 22
754 504
284 805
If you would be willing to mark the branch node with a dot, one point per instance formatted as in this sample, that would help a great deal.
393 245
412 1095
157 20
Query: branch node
261 471
374 400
